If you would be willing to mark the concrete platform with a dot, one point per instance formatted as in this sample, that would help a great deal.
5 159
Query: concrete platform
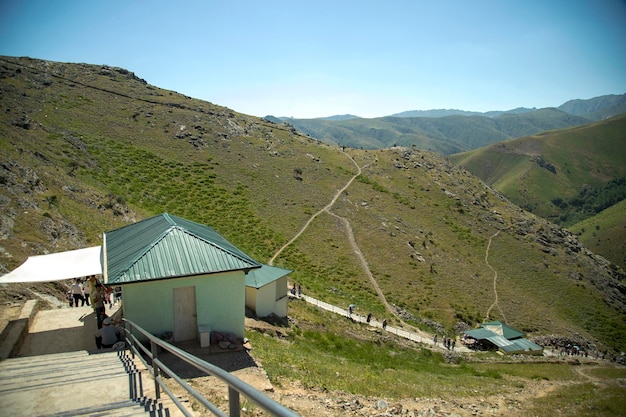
65 329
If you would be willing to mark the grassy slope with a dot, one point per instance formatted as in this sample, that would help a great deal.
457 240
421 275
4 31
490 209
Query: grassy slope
151 151
590 154
604 233
322 354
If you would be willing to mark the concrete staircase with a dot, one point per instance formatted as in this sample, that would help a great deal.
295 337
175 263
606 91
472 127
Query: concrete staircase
74 384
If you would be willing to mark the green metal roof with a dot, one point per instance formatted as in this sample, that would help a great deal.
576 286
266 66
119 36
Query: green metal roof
167 246
479 334
524 345
504 337
502 329
264 275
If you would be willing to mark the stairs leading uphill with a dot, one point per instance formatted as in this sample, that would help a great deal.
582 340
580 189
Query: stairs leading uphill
74 384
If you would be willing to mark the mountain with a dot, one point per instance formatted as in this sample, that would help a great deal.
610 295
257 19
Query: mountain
400 232
454 112
449 131
445 135
597 108
567 176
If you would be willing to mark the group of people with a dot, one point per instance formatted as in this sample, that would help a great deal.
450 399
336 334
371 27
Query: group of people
448 343
296 290
368 319
79 291
92 292
82 290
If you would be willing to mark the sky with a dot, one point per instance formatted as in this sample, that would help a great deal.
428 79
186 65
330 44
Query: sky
308 59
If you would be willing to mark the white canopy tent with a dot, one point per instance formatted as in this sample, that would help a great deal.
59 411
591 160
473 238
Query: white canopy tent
57 266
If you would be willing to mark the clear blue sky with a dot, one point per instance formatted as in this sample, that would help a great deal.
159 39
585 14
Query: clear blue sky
320 58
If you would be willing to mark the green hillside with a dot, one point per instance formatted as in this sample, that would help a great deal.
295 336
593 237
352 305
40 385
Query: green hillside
87 148
605 233
565 176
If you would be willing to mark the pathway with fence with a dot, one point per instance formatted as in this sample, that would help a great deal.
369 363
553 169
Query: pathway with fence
415 337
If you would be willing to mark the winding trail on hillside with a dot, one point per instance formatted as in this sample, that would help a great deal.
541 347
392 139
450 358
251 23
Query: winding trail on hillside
495 281
325 209
349 233
363 261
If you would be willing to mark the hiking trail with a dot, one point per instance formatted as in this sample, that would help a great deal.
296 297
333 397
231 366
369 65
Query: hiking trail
495 281
353 244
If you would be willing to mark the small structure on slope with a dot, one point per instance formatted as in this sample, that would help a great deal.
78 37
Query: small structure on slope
498 335
266 291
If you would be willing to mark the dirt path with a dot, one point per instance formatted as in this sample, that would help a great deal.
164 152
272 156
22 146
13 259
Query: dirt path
495 281
325 209
363 261
355 248
349 234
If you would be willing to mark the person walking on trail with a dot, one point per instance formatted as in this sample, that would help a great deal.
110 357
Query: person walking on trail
384 324
369 317
77 293
351 309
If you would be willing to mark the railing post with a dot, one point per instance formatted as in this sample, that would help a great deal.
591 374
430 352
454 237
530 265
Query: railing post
233 402
129 339
155 369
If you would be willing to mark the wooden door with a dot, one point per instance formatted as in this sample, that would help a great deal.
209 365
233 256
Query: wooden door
185 320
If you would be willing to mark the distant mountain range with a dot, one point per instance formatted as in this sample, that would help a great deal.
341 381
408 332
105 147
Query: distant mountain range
453 131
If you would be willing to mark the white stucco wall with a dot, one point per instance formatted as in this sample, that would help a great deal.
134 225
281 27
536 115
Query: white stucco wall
220 302
271 298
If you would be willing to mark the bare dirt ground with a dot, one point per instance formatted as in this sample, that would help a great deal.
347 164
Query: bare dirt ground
312 402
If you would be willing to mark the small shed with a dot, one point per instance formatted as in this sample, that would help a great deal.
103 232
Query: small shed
506 339
266 291
177 276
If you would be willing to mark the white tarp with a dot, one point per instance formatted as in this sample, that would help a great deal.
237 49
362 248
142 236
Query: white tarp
57 266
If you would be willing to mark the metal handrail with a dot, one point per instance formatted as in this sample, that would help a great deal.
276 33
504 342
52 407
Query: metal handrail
235 385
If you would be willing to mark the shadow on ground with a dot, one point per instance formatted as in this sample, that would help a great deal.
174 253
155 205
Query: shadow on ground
228 360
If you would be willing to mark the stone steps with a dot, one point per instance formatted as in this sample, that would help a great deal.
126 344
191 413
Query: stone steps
72 384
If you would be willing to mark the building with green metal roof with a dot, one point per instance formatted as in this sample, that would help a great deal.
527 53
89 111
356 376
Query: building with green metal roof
167 246
506 339
177 276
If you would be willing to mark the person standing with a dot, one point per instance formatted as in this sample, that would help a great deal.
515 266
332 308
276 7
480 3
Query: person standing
77 293
97 298
86 292
107 296
91 284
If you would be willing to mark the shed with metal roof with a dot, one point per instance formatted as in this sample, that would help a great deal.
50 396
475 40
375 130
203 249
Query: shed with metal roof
177 276
266 291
